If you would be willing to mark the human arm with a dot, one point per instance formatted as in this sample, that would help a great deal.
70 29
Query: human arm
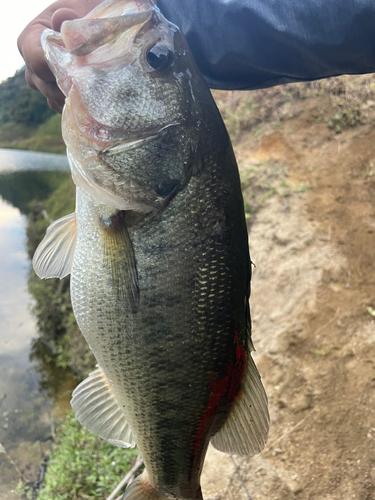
248 44
240 44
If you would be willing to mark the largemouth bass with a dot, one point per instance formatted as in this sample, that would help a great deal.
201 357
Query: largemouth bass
157 249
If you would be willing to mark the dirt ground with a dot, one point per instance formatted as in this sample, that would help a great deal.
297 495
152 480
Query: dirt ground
313 291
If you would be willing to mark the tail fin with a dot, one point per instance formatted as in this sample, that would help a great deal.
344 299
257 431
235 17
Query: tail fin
141 489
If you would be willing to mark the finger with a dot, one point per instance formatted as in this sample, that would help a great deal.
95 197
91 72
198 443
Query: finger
62 15
29 79
85 6
79 10
29 43
49 89
31 51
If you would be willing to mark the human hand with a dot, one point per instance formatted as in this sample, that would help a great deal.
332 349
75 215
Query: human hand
38 75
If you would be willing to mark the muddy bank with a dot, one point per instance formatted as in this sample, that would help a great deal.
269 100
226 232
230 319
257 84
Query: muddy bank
312 294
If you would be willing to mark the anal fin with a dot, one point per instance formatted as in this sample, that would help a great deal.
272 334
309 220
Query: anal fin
97 408
246 429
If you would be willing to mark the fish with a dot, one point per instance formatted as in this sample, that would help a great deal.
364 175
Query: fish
157 249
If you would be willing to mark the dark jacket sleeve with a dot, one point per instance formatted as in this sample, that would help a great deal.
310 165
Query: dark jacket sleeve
248 44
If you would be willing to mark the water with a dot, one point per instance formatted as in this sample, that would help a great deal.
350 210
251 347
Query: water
15 160
25 409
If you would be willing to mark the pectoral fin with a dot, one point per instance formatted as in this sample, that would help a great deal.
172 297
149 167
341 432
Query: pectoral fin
97 408
119 259
54 256
246 429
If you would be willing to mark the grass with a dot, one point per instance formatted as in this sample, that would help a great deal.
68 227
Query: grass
261 181
82 465
46 137
344 102
346 117
350 103
52 305
302 187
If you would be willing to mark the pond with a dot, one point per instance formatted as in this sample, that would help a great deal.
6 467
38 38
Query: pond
26 407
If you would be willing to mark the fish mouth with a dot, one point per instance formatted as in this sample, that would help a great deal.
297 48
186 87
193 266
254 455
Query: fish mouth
98 32
109 21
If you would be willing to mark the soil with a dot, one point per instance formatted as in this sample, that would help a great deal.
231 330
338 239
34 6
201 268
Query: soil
313 290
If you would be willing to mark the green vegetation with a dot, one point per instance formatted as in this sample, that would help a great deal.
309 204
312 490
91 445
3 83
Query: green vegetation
53 310
346 117
261 181
348 102
344 103
19 104
26 121
82 466
302 187
22 187
45 137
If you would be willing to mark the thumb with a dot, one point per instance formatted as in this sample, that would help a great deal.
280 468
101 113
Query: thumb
62 15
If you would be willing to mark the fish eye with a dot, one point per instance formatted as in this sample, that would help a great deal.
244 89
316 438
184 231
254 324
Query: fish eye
159 56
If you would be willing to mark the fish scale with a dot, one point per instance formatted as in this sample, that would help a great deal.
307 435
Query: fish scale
149 109
157 251
154 336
